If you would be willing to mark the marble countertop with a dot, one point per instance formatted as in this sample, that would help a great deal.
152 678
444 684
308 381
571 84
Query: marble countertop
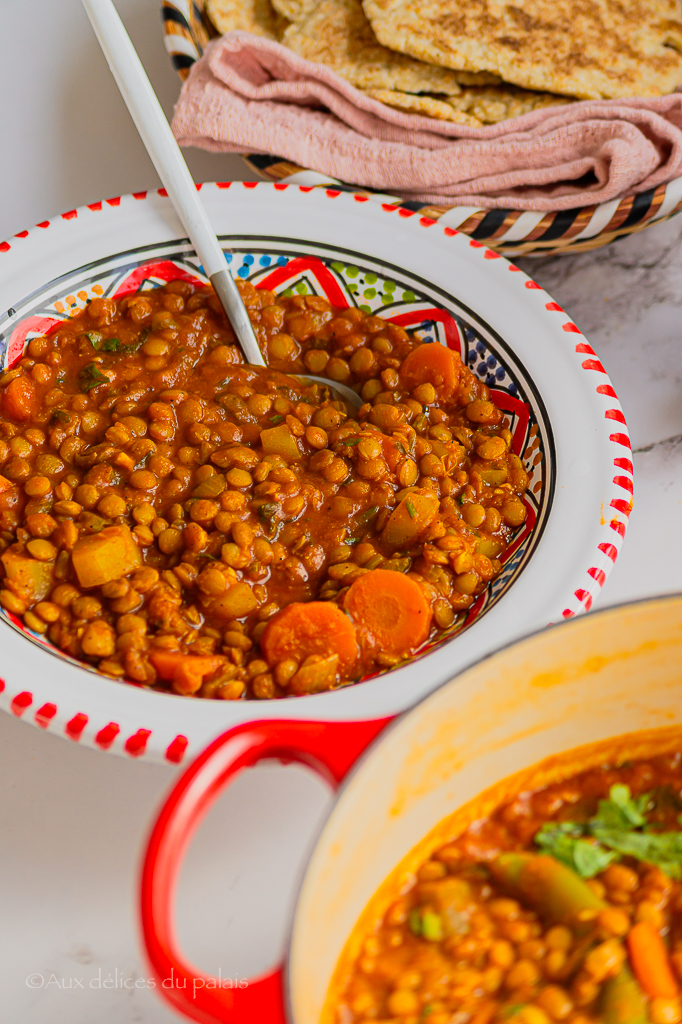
74 821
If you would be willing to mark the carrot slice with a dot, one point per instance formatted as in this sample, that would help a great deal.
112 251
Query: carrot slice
314 627
391 453
20 400
649 959
185 671
432 363
390 610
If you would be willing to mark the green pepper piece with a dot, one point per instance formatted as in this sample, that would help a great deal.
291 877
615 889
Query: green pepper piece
432 926
622 1000
556 892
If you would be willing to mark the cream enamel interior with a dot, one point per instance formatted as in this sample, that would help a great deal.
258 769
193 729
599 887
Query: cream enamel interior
585 682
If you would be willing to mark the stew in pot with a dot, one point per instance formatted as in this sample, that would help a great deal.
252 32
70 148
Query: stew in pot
565 904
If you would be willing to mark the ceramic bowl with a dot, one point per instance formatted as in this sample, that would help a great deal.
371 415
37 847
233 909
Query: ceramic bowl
566 421
187 30
576 691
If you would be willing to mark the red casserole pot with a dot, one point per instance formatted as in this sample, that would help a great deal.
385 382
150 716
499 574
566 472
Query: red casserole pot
570 688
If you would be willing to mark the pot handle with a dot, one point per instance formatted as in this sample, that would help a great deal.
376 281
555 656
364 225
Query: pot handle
329 748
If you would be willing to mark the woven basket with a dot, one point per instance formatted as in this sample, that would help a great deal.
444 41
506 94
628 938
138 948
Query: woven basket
512 232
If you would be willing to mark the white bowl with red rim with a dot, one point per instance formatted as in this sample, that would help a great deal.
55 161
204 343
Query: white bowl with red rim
566 421
536 712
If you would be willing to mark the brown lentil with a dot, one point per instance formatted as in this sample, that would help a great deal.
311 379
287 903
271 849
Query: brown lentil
223 522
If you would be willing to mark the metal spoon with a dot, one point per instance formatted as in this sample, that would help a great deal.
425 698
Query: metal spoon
155 132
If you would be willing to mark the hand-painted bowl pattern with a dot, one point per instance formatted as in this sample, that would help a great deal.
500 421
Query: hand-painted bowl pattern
566 422
288 270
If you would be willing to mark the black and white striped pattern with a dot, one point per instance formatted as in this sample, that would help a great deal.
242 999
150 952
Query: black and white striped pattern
512 232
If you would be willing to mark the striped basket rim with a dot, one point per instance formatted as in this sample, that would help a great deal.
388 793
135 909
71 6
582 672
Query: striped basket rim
511 232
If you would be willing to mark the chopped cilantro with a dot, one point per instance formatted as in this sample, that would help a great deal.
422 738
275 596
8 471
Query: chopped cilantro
115 344
112 345
276 419
590 858
61 415
368 514
614 832
664 849
91 377
350 440
620 810
410 508
564 842
139 341
94 337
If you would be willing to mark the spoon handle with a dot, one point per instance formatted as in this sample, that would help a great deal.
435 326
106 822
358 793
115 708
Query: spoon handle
164 151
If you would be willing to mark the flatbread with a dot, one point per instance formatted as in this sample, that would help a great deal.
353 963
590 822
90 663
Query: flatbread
428 106
336 33
257 16
499 103
474 107
589 49
294 10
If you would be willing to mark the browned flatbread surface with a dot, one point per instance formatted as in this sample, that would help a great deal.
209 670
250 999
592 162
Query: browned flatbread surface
257 16
589 49
427 106
336 33
501 102
474 106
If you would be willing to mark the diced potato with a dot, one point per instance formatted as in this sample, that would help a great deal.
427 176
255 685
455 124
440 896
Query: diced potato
101 557
410 519
452 898
5 484
239 601
315 675
28 576
280 441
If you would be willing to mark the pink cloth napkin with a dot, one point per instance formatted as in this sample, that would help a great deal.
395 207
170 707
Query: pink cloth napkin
251 95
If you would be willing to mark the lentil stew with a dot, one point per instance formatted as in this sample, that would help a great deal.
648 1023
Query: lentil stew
173 517
562 904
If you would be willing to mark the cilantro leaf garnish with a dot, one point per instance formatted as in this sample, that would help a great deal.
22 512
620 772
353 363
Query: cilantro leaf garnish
94 337
91 377
103 344
620 810
112 345
619 829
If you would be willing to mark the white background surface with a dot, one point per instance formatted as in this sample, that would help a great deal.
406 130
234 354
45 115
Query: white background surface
72 821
